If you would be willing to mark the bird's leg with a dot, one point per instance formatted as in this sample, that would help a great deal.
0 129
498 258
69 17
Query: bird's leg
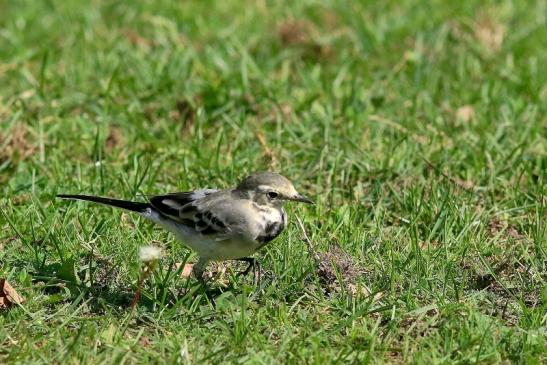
252 263
199 268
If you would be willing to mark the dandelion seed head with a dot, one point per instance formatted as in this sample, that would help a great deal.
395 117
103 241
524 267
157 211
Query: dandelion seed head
149 253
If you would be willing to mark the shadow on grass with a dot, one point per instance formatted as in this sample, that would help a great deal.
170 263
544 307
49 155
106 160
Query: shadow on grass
106 293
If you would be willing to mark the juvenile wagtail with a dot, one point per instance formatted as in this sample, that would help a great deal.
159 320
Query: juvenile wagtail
229 224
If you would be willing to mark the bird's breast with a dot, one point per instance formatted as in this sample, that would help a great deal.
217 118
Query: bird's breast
272 223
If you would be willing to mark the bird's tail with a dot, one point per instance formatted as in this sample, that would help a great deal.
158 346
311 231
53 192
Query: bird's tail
123 204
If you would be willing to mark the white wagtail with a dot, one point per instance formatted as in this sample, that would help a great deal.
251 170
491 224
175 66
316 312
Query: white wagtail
229 224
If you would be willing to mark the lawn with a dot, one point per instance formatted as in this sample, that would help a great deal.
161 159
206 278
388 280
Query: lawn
419 128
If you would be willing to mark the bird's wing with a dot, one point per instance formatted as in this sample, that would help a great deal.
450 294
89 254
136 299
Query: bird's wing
194 209
172 204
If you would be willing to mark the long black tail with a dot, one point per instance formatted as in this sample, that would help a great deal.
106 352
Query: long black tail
124 204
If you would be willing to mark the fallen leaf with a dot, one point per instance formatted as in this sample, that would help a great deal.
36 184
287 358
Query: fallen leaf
8 295
489 34
186 271
465 113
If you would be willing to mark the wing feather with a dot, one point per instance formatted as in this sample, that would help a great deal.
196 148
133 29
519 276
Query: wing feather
172 205
184 208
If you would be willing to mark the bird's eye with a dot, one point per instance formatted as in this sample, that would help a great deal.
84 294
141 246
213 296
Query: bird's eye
273 194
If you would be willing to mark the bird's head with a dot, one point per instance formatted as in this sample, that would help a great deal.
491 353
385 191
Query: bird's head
271 188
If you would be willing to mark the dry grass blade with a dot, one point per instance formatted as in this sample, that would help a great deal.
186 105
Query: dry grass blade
268 153
307 240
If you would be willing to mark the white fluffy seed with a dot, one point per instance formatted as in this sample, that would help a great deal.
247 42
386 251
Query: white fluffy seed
149 253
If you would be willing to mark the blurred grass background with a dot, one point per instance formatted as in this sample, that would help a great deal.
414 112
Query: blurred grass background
419 128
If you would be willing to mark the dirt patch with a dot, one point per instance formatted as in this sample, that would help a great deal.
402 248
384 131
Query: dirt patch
105 274
505 284
250 104
276 111
295 32
17 145
144 342
330 20
151 111
21 199
215 272
185 113
485 31
504 303
219 272
489 33
303 35
337 270
418 325
6 241
114 139
497 226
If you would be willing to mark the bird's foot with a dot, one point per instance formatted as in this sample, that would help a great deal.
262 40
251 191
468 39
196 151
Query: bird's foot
253 266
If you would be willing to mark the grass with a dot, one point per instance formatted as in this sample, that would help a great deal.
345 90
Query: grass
419 128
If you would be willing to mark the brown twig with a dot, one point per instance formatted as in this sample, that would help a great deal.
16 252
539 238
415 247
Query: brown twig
137 296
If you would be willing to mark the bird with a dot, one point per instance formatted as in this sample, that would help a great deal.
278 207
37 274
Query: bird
219 225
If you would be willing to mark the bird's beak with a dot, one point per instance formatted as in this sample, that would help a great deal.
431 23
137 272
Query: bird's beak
302 198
